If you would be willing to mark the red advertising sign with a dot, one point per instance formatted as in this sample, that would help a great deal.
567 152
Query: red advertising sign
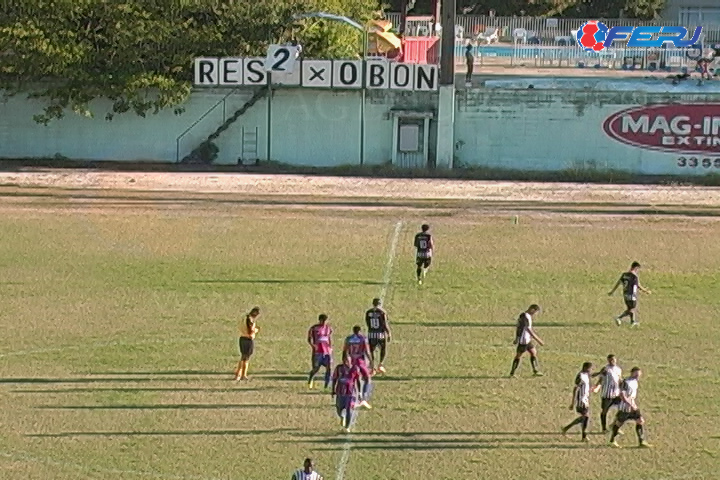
676 128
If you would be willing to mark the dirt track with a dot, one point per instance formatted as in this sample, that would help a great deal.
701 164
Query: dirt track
346 187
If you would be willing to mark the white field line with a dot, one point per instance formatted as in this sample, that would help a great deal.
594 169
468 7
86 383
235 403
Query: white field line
387 275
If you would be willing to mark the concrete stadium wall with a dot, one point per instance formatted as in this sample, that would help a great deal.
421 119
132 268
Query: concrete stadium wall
308 127
554 130
504 125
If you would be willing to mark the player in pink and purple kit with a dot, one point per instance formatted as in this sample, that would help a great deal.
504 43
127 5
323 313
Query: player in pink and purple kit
357 348
320 339
346 382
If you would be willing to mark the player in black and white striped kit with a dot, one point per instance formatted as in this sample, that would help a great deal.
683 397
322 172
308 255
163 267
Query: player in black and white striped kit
307 472
609 383
629 410
379 334
581 400
524 335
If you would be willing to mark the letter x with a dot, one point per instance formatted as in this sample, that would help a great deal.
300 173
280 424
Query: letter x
317 74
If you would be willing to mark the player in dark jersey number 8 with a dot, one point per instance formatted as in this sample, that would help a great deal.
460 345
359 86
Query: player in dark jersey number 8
424 245
631 285
378 332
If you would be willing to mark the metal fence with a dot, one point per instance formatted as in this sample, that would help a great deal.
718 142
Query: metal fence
550 42
537 31
519 55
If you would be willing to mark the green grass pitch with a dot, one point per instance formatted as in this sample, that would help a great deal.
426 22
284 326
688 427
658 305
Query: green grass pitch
119 341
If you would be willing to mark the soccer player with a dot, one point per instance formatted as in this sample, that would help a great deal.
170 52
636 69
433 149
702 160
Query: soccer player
378 331
248 329
357 348
610 378
581 400
524 335
320 339
345 385
631 284
629 410
423 258
307 472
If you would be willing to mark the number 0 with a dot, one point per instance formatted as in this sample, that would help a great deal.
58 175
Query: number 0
282 56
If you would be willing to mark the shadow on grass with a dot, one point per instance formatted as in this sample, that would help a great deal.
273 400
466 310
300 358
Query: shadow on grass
495 325
437 377
224 373
360 443
183 406
380 434
138 389
291 282
465 446
77 380
162 433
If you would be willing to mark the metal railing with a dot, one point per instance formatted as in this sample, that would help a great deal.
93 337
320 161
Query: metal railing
540 31
548 42
665 59
222 102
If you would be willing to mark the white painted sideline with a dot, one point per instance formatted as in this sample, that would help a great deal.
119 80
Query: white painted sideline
387 275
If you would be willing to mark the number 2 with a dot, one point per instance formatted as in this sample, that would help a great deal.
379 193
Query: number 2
281 55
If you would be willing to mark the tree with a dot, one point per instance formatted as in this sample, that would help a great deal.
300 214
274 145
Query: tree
139 53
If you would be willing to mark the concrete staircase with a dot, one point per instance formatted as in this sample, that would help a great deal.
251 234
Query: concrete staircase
204 153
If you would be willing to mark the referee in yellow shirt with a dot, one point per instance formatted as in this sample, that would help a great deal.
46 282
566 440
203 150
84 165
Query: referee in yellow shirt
248 329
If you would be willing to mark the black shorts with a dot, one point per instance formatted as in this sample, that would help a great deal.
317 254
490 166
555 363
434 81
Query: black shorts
607 403
582 410
525 348
247 346
423 262
630 302
623 417
377 342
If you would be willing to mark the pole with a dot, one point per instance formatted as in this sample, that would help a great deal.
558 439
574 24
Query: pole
403 17
362 98
447 51
269 117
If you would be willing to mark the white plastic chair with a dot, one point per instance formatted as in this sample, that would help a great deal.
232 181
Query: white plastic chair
489 36
520 35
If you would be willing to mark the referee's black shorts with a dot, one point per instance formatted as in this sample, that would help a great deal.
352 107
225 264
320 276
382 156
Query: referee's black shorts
247 346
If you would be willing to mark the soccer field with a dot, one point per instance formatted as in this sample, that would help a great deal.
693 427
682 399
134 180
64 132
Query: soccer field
120 311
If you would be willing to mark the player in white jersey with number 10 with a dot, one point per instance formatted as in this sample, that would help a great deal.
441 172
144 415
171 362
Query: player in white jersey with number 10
609 385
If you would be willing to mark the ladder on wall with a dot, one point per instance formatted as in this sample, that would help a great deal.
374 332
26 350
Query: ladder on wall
249 146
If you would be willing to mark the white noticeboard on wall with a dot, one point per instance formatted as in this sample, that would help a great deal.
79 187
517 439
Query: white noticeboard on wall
409 138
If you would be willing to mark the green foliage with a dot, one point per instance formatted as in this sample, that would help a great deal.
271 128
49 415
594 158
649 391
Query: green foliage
565 8
140 53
